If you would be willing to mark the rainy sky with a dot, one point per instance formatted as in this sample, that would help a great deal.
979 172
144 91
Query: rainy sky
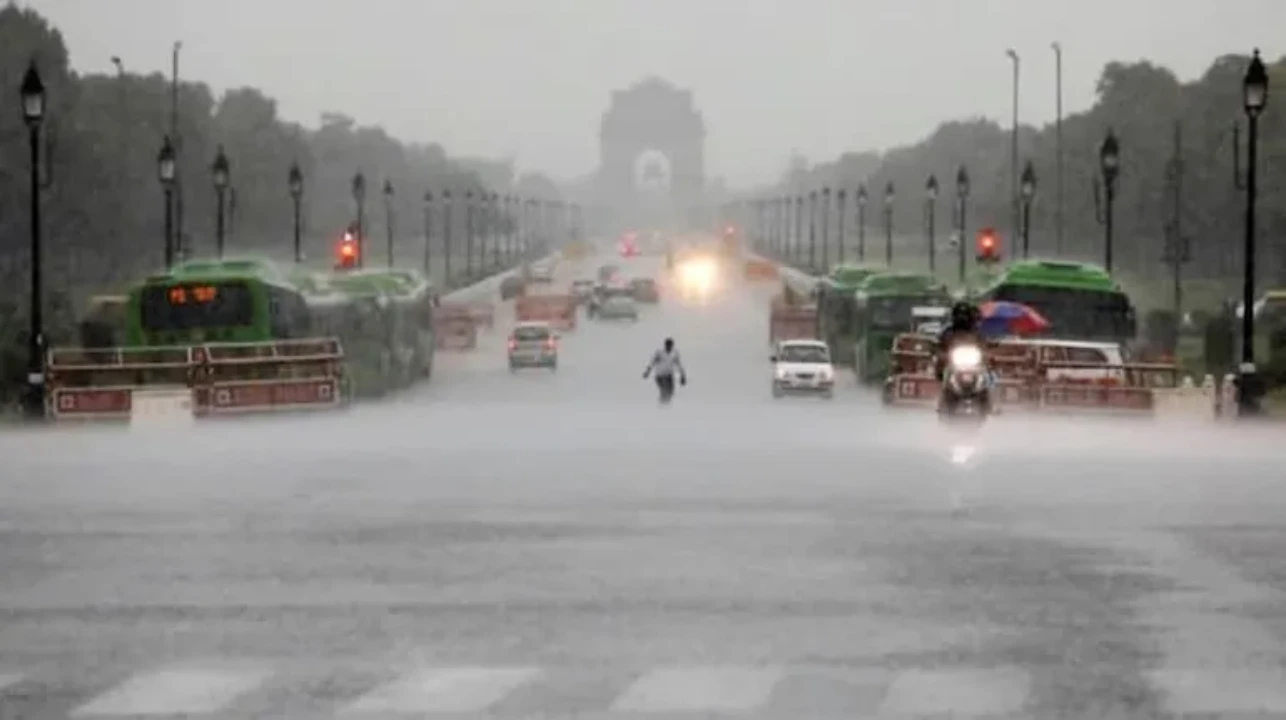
529 79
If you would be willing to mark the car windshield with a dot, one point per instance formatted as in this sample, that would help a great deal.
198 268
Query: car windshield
804 354
531 332
643 283
619 301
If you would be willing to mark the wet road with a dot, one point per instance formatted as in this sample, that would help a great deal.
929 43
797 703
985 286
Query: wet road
557 545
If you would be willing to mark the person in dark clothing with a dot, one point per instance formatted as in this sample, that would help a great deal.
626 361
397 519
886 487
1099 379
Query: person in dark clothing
962 326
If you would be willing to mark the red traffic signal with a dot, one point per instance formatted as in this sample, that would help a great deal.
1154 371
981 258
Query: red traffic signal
347 251
988 245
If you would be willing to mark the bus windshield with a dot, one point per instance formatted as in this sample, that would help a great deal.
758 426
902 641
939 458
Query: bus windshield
840 309
187 306
1077 314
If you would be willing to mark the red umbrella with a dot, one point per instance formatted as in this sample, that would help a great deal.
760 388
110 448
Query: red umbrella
1011 318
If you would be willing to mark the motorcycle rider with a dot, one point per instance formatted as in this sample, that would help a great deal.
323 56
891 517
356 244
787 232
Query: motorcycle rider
664 362
962 326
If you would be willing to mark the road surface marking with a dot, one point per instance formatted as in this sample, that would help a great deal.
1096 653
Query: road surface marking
700 689
174 692
958 692
460 690
1221 691
7 679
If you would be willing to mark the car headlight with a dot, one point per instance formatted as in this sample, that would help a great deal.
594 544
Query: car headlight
826 374
780 374
966 357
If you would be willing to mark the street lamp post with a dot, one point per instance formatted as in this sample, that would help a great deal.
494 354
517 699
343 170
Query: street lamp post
359 200
165 173
826 227
295 181
1254 89
839 214
428 231
962 203
930 212
812 231
1028 190
468 235
33 112
1058 138
861 223
221 170
389 218
1013 146
799 228
888 224
447 231
1109 156
497 256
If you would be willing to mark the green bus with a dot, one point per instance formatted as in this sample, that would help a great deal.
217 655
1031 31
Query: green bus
1080 300
406 299
884 310
383 319
837 310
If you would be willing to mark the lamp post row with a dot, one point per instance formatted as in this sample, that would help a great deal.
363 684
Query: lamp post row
32 92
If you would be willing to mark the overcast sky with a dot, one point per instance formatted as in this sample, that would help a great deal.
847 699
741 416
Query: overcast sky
531 78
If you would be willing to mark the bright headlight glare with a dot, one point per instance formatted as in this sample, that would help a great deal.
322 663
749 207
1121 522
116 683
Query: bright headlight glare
966 356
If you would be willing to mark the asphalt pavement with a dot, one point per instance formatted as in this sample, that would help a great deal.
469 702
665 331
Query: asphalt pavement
560 545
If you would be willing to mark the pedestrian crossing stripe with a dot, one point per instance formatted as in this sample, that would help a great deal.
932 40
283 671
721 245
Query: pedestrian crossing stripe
430 690
182 691
699 689
196 691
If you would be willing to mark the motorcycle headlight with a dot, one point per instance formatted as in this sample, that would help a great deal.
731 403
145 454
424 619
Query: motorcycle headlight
966 357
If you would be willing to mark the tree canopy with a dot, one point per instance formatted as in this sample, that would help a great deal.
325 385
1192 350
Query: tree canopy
104 207
1142 104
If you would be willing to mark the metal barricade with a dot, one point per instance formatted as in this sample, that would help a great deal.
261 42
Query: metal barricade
454 327
98 384
791 322
269 376
557 310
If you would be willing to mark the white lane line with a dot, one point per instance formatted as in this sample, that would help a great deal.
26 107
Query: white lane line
1217 692
188 691
957 692
428 690
700 689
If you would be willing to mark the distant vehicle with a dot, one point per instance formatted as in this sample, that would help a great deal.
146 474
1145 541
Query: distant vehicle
645 290
512 286
533 345
542 272
583 289
607 273
618 307
803 367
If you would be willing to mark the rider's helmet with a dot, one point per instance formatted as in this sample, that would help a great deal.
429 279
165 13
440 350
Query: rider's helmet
669 344
963 315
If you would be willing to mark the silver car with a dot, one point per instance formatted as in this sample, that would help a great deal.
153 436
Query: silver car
533 344
618 307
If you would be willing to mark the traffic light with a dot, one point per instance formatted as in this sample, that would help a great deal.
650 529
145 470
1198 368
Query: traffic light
347 252
988 246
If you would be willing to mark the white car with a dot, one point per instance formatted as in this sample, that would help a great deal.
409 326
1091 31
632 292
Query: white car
802 367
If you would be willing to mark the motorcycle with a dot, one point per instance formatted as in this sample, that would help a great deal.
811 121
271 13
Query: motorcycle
966 385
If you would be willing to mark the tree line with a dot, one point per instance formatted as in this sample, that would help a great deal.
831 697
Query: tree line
1197 188
103 203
